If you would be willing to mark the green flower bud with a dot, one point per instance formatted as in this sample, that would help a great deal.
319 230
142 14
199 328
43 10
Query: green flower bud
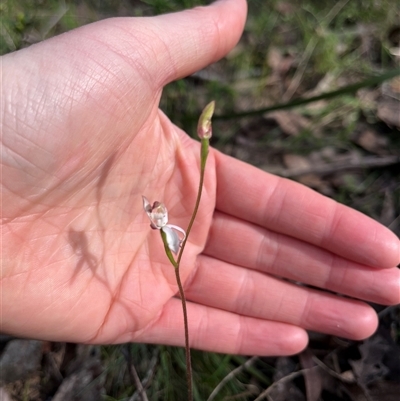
204 129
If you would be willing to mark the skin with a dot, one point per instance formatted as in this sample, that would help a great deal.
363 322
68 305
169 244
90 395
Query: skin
82 141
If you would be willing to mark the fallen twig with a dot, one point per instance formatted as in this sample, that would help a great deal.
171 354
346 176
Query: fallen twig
138 383
230 376
285 379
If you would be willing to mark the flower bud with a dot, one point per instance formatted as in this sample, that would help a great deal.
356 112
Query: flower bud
204 129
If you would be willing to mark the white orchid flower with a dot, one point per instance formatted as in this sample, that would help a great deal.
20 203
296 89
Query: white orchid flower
158 215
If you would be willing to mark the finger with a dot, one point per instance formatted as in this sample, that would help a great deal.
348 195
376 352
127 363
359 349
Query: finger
216 330
250 293
168 47
192 39
234 241
290 208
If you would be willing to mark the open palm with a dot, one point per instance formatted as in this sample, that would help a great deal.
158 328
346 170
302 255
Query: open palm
84 140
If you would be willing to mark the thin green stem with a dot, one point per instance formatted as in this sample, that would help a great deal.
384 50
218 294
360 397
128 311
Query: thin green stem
176 264
204 153
187 346
203 156
204 131
185 316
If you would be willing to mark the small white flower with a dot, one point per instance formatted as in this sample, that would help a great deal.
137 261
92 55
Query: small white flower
158 215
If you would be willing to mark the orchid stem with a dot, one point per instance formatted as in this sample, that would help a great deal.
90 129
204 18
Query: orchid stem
187 346
176 263
204 131
204 153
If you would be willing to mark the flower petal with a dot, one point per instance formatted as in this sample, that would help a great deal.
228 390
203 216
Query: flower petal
177 228
146 205
158 213
173 239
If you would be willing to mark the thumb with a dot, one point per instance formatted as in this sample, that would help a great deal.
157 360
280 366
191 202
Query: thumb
192 39
171 46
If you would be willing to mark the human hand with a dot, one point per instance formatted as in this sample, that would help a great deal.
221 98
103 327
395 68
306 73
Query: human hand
82 141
